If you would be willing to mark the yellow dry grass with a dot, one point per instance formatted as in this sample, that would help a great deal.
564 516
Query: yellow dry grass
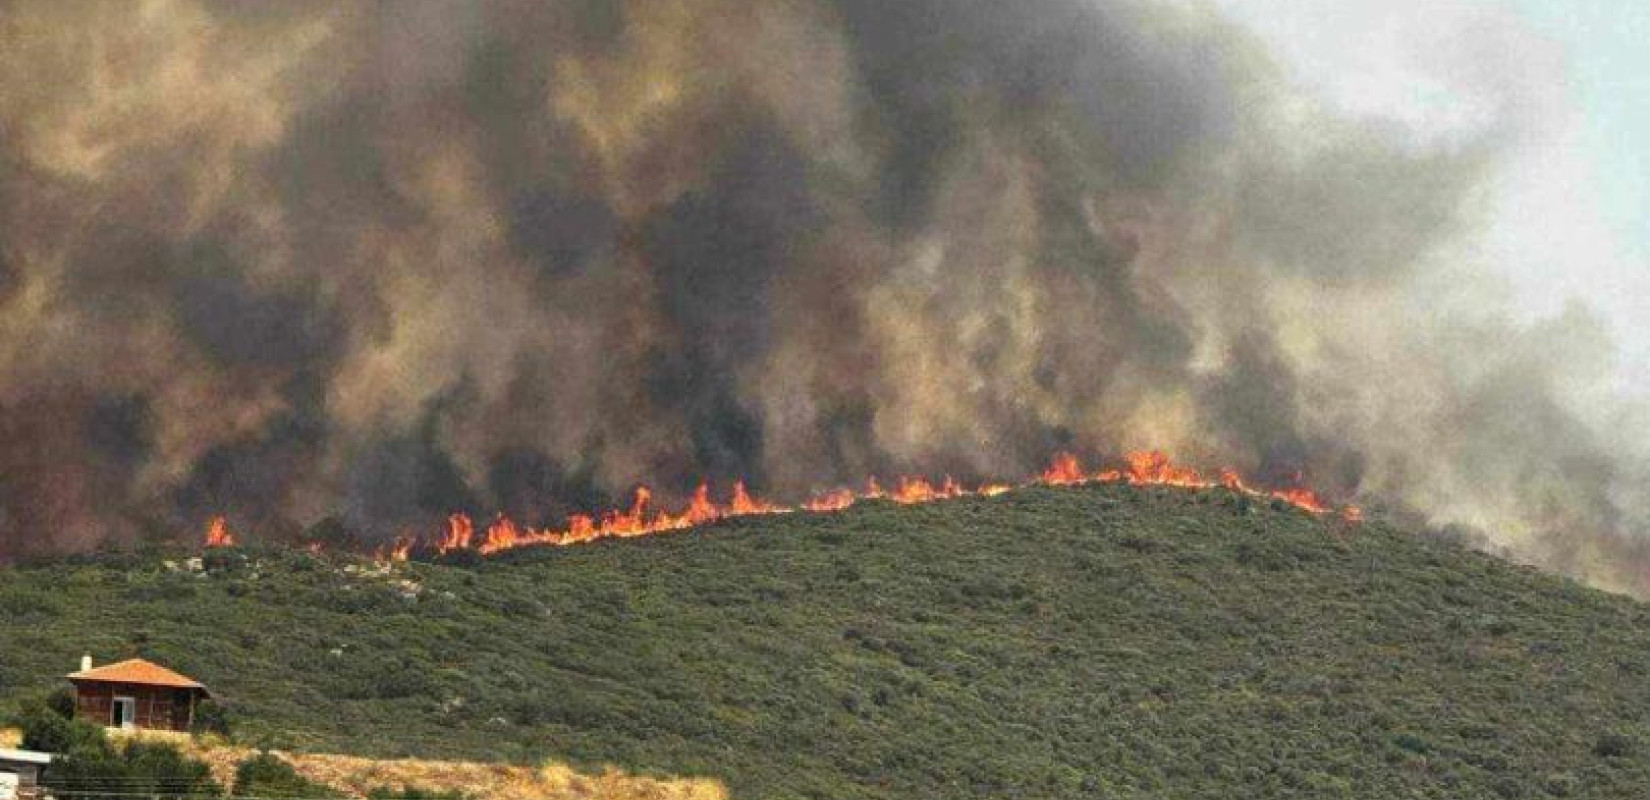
553 781
119 735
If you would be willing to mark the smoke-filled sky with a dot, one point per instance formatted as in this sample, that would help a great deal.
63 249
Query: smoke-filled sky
1572 201
356 265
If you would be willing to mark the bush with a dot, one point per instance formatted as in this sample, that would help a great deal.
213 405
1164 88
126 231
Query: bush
46 730
265 775
1412 743
1614 745
371 680
23 602
161 769
210 717
91 769
221 561
334 532
62 701
412 793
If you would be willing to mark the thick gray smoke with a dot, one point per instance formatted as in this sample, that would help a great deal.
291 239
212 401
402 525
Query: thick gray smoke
371 263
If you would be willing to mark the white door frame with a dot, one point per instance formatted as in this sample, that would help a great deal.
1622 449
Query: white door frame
127 720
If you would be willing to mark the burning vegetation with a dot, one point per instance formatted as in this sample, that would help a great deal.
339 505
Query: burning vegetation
218 533
1145 468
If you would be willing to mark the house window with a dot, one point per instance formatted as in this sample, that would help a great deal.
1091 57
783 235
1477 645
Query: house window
124 713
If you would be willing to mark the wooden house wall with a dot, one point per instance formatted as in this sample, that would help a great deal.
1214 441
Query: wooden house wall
158 708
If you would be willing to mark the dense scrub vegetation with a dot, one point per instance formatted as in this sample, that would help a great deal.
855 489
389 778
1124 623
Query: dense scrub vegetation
91 766
1094 642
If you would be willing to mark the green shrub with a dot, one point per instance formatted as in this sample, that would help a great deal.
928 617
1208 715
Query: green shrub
223 561
333 532
1412 743
265 775
90 768
48 731
1614 745
412 793
211 717
62 701
159 768
24 602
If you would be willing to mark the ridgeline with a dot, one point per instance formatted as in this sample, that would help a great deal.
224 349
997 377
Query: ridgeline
1103 641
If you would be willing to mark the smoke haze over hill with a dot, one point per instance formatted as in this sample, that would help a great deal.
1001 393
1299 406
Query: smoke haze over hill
385 262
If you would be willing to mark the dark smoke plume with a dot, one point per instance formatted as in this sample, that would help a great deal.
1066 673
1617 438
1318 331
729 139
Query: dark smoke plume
370 263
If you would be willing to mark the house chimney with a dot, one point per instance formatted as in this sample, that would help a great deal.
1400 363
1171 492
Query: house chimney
86 663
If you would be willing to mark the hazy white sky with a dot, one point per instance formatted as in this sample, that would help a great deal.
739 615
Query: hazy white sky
1570 79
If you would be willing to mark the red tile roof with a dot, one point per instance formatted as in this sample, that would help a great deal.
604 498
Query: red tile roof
137 671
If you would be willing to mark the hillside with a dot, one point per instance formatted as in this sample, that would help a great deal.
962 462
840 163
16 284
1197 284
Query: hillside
1103 641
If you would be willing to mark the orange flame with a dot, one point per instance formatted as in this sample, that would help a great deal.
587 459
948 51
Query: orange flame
1301 498
460 533
835 500
218 533
1142 468
912 491
1065 471
743 504
1152 468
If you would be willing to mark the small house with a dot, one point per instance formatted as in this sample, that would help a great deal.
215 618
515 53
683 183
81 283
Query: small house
136 695
20 773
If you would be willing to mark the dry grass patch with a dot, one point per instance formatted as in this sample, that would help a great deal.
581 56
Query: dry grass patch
554 781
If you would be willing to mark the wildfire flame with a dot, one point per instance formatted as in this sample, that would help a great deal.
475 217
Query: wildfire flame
1144 468
218 533
1065 471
